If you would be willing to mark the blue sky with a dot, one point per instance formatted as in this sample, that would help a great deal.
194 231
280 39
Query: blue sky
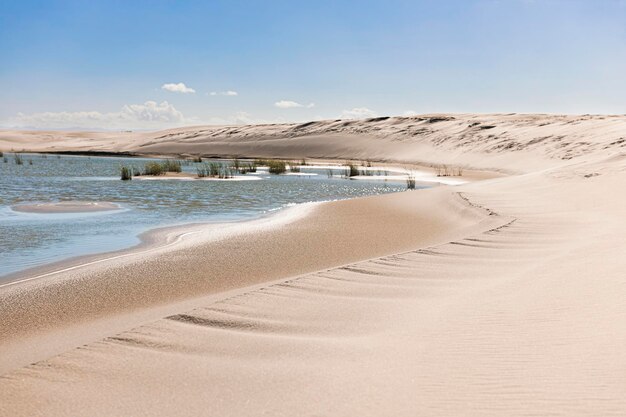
107 64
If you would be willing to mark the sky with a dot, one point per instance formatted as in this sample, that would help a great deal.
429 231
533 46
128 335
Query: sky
132 65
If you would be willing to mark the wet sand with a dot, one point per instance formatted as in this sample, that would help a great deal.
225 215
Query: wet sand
67 207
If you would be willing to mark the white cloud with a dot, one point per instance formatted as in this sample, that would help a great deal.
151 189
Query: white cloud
149 115
177 88
357 113
409 113
228 93
288 104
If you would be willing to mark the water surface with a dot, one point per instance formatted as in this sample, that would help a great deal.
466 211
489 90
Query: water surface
31 239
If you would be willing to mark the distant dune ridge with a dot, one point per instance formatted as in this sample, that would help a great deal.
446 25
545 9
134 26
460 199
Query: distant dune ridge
501 297
498 141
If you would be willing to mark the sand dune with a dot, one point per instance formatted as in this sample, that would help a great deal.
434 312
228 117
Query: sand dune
511 142
498 297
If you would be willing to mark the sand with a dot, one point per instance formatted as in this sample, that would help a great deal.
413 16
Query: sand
67 207
496 297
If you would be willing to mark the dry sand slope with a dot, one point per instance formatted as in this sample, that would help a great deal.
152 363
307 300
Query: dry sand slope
512 306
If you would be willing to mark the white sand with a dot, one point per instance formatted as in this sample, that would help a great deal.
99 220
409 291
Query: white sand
502 297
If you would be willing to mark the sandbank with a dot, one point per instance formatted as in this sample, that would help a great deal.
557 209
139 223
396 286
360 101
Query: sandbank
67 207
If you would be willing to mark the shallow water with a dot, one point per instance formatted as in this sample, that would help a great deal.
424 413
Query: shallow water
32 239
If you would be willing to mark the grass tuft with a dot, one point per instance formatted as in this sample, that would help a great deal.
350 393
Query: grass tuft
249 167
410 182
126 173
169 165
448 171
153 168
277 167
18 159
216 170
160 168
352 170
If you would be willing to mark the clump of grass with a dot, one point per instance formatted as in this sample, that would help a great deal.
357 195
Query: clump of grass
227 172
294 167
274 166
447 171
169 165
136 171
249 167
160 168
126 173
202 171
330 173
303 162
277 167
214 169
410 182
197 159
351 170
18 159
153 168
236 164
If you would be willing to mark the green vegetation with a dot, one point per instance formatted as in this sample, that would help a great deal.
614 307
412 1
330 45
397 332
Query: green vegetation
352 170
169 165
201 171
125 173
249 167
294 167
18 159
277 167
215 170
160 168
153 168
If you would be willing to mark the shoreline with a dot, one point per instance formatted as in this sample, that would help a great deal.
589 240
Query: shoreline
43 311
424 177
156 238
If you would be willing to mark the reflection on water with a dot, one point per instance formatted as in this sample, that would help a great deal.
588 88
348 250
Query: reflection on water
31 239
